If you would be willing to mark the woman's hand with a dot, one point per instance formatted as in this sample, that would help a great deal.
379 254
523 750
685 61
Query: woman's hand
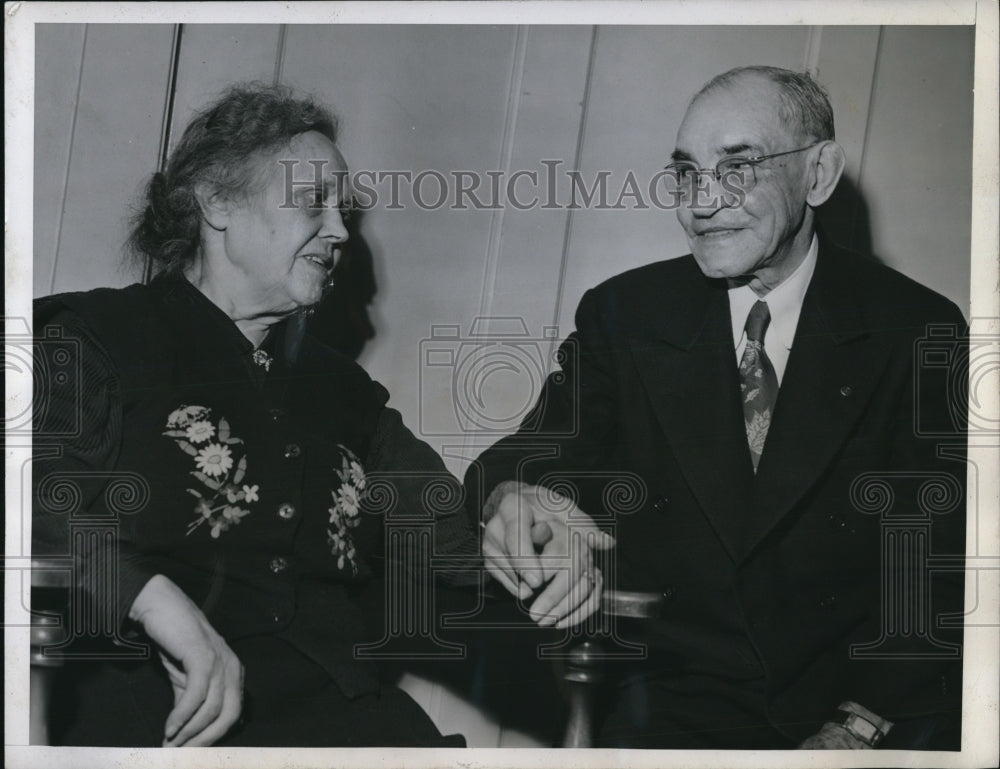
206 675
530 518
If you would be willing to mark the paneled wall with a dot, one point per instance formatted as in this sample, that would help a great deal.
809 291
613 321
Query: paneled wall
500 99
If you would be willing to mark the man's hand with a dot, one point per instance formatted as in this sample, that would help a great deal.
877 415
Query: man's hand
833 736
206 675
538 538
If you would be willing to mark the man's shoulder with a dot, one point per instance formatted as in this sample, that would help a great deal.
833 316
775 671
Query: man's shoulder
885 291
652 287
674 272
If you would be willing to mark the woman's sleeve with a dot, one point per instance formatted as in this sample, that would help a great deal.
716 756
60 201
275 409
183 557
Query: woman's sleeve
77 432
407 470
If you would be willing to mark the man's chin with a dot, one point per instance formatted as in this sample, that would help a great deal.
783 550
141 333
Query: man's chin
718 263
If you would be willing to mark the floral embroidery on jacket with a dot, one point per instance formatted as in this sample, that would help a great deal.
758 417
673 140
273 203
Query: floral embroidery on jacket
212 447
346 510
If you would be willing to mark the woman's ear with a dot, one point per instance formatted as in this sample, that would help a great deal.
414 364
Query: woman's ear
215 208
827 169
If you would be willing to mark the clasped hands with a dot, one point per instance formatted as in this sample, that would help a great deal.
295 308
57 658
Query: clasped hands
540 546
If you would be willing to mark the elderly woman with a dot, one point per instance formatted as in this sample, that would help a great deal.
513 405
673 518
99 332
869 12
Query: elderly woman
249 567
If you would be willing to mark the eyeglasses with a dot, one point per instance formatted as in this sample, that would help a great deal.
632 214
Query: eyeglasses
736 172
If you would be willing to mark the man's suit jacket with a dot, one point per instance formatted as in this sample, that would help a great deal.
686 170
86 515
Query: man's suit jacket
782 572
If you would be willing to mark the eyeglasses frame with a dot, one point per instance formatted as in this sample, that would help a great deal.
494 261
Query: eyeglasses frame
753 161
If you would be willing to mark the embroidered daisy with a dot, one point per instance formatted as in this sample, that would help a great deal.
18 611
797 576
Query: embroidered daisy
347 499
215 459
201 431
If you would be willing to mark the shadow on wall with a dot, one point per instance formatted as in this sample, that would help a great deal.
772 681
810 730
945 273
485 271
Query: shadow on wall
341 320
845 219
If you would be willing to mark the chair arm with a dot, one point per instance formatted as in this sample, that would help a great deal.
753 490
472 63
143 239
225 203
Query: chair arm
584 669
50 584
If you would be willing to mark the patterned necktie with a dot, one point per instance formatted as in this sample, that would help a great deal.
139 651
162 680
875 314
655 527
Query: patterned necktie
758 382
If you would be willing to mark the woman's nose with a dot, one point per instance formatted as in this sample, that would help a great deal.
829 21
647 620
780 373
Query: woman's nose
333 225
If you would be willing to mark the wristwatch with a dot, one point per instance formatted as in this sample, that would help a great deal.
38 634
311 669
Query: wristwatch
861 723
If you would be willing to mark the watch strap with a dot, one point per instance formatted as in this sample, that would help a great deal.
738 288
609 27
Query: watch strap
861 723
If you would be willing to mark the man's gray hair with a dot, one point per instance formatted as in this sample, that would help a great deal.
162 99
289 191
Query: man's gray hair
804 103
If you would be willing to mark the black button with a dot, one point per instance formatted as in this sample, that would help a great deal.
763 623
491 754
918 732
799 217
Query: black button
837 521
277 414
660 504
847 391
669 592
828 601
278 564
293 451
286 511
276 614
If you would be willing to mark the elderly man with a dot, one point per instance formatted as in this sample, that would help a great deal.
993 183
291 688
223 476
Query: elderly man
756 392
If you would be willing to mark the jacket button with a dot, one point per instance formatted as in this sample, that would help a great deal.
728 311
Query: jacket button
847 391
668 593
292 451
286 511
660 504
278 564
828 601
277 414
276 615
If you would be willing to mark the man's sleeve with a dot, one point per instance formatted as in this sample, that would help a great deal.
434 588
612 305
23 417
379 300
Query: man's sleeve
922 669
903 662
572 427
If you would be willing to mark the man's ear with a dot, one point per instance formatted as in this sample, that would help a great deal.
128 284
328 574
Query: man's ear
215 208
827 168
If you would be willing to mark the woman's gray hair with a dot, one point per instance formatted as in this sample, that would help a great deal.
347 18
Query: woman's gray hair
222 146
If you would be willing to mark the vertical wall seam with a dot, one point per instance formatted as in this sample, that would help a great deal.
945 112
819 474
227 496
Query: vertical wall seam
515 81
166 126
491 267
69 162
279 55
864 142
577 161
813 42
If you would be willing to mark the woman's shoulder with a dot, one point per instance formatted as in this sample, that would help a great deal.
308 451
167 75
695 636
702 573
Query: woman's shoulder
126 324
94 307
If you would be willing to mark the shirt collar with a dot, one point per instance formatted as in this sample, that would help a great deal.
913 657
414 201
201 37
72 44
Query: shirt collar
784 302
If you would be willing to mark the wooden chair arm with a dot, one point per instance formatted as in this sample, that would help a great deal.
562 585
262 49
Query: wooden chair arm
50 584
584 669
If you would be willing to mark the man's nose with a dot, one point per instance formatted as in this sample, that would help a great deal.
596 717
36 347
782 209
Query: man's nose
706 195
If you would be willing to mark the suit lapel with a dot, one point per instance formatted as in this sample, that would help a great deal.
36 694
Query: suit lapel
689 372
831 374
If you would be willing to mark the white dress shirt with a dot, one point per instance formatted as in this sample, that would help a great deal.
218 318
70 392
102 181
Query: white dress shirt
785 304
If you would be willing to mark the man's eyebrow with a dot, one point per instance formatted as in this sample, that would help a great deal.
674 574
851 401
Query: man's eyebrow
680 155
737 149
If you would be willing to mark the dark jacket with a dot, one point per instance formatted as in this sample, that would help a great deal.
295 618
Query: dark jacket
161 446
781 578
